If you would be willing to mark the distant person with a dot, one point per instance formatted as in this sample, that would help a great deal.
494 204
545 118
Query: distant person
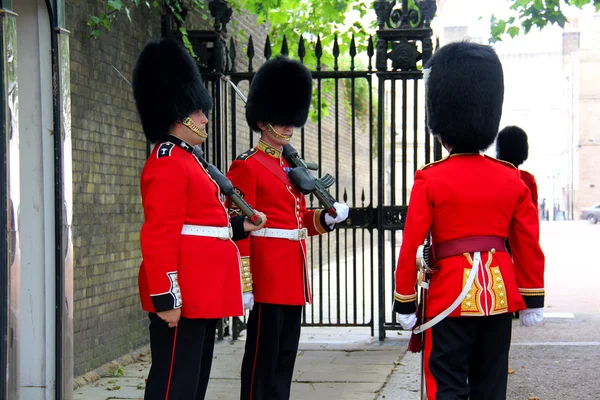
512 146
542 210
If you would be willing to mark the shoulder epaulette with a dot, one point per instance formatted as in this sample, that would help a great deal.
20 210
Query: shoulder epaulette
506 163
431 164
165 149
247 154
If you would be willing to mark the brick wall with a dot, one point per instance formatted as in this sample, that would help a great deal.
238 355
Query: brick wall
108 154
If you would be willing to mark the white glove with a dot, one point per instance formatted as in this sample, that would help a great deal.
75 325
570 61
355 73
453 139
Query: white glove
342 213
248 300
407 321
531 316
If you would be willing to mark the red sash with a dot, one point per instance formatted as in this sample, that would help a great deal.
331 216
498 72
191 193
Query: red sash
269 163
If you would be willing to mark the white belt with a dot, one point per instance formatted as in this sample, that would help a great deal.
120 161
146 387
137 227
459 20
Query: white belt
220 232
290 234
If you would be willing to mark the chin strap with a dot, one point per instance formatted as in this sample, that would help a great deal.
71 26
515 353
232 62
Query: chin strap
278 135
187 121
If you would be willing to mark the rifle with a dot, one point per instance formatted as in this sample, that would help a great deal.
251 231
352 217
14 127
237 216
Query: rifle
308 183
299 175
226 186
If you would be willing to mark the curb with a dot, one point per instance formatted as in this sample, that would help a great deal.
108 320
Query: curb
109 368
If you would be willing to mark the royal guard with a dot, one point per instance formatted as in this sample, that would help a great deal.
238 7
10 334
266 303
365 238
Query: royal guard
274 258
468 204
512 146
190 276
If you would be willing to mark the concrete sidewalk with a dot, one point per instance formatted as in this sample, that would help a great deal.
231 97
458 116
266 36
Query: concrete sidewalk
332 363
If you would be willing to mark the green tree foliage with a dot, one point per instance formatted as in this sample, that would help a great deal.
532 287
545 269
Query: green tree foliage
533 13
287 18
324 21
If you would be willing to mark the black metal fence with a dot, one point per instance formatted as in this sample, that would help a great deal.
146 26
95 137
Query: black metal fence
367 129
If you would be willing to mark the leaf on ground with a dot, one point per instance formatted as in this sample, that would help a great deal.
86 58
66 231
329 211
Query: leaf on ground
534 398
511 371
113 387
141 386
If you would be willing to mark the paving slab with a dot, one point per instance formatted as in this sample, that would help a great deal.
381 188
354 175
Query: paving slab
332 363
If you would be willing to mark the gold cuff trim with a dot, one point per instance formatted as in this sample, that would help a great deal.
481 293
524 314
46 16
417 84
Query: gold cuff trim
317 222
532 292
405 299
246 275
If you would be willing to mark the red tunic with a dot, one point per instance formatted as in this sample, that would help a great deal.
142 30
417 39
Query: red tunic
177 190
279 266
469 195
532 185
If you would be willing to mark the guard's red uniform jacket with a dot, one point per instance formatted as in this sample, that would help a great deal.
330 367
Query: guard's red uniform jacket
279 266
532 185
197 273
470 195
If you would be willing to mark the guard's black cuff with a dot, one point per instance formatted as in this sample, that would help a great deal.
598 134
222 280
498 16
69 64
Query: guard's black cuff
534 301
405 308
237 226
323 223
163 302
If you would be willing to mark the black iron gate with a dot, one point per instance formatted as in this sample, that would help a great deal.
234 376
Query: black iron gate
404 45
367 129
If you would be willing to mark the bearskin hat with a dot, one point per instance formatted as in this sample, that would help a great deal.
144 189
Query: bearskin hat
512 146
464 94
167 87
280 94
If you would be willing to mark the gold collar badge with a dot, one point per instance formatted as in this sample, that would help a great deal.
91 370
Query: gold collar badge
268 150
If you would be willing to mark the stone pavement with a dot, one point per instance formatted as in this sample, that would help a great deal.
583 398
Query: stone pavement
332 363
349 364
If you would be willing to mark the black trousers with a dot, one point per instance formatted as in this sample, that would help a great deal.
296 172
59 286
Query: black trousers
273 334
467 358
181 359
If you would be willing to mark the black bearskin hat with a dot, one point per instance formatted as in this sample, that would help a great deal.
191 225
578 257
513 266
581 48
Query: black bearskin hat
280 94
167 87
464 94
512 146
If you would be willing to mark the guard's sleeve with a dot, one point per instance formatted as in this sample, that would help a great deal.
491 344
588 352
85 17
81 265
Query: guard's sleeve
527 254
418 222
314 220
534 191
237 226
244 182
164 198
